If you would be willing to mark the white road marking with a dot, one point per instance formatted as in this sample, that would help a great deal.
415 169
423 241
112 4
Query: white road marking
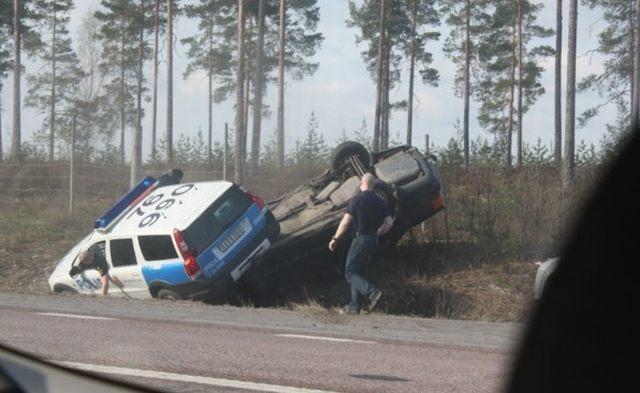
227 383
340 340
55 314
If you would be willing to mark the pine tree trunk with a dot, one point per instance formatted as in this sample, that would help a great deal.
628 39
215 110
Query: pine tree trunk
467 92
511 97
635 86
245 98
169 132
632 45
52 103
378 110
280 124
568 167
1 147
411 73
239 161
257 98
154 93
520 64
16 136
136 140
122 88
557 146
385 98
210 87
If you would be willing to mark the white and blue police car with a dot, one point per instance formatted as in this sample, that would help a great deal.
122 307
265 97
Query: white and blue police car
190 240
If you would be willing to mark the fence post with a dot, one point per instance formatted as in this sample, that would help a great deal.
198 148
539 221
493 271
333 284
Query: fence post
72 163
426 146
225 151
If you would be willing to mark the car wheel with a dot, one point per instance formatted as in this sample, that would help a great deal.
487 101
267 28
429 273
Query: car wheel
385 192
65 290
343 151
168 294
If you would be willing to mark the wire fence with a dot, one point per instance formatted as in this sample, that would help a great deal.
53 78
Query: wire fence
19 180
506 209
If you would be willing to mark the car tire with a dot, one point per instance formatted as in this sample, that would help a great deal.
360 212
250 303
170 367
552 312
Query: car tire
65 290
385 192
168 294
343 151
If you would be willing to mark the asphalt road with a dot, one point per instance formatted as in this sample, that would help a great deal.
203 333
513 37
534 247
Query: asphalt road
186 346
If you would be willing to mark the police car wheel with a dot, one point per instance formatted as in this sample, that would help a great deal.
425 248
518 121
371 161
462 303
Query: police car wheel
168 294
65 290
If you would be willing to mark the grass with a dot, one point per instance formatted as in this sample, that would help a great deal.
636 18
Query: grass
459 280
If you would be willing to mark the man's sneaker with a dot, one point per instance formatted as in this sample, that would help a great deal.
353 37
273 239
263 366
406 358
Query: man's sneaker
373 299
346 310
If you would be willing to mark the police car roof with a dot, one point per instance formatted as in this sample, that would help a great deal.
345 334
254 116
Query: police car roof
167 208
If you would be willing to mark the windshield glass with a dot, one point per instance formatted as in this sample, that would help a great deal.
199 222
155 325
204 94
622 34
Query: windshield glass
218 217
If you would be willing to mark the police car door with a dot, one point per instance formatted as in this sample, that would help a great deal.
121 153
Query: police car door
126 269
88 281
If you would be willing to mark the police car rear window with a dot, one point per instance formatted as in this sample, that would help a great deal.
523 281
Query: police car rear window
218 217
157 248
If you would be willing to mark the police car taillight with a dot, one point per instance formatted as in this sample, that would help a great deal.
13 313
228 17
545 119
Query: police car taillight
254 198
190 264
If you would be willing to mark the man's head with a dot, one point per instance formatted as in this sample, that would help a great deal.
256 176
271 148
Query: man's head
176 174
367 182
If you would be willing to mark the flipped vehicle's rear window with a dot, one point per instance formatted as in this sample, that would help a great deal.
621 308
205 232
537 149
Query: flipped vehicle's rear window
218 217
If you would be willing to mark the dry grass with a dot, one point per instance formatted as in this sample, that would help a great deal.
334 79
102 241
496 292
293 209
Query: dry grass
499 223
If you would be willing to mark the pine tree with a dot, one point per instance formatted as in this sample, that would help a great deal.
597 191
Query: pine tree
384 59
169 125
557 145
568 166
52 90
537 156
361 135
269 158
499 59
586 154
239 123
119 36
312 152
616 44
466 18
301 23
97 116
25 15
204 50
5 54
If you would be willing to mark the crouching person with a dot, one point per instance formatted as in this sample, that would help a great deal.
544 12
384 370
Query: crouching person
94 258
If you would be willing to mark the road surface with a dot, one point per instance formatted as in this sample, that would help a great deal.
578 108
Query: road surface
193 347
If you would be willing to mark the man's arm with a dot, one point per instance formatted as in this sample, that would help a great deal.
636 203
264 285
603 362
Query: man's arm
386 226
342 230
105 284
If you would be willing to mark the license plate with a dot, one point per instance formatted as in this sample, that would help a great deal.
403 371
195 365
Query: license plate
233 236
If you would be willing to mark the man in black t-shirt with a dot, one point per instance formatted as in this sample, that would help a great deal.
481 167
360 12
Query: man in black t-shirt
94 258
371 218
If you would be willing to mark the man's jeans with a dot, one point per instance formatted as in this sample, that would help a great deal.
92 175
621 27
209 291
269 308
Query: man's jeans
360 254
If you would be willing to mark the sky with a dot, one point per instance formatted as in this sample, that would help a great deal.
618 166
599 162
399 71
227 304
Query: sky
342 93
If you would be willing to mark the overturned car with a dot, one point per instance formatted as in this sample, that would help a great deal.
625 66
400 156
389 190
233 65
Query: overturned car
309 215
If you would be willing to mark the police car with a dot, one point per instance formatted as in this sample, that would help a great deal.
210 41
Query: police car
180 241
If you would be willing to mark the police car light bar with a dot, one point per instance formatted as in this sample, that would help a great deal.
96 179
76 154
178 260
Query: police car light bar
129 200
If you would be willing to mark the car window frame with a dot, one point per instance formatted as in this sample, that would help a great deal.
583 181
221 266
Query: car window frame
143 260
136 252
